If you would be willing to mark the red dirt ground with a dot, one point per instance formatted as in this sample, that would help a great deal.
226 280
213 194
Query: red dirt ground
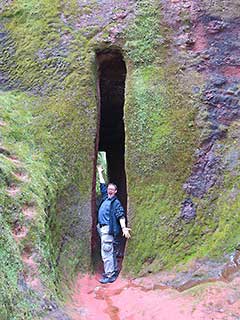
135 300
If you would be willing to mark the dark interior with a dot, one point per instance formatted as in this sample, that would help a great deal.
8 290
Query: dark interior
111 77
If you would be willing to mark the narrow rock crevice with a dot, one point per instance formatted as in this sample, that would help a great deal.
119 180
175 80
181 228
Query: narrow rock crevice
112 74
110 137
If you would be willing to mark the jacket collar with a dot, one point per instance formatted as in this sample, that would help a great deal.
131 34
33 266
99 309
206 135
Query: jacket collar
112 199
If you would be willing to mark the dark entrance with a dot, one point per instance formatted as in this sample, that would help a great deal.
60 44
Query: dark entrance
111 134
112 74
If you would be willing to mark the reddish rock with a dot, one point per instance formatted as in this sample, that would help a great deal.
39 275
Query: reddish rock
231 71
201 42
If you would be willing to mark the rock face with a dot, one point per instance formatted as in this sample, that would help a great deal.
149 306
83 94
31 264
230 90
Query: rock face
181 127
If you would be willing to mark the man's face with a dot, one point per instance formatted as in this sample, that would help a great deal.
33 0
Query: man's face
111 190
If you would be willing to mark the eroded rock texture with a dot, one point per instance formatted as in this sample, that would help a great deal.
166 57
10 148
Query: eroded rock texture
181 125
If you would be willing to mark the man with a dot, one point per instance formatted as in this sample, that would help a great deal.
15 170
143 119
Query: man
111 220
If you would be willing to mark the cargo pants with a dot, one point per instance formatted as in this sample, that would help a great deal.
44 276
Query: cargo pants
108 252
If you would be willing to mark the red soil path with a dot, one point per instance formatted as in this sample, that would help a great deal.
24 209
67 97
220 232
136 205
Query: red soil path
135 300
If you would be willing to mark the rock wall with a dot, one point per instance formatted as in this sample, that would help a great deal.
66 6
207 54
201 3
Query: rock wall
183 193
181 128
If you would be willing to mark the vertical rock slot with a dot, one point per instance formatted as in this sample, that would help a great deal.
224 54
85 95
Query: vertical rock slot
111 133
112 75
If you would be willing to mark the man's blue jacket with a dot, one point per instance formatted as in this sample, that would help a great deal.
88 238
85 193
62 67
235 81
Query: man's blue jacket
116 211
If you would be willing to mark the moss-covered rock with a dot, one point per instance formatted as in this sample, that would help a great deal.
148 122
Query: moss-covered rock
49 106
181 112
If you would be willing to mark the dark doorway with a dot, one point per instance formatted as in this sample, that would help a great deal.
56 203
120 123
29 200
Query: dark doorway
111 133
112 75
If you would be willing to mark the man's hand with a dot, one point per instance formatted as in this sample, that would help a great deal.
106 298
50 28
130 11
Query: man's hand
99 168
126 232
100 173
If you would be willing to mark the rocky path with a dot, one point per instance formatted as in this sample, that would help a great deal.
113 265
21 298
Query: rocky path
142 299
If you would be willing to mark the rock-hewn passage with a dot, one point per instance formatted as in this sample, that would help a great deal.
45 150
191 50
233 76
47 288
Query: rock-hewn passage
154 83
111 80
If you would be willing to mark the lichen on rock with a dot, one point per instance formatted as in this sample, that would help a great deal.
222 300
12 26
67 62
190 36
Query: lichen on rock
181 124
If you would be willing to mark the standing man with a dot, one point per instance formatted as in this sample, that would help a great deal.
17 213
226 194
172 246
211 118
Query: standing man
111 220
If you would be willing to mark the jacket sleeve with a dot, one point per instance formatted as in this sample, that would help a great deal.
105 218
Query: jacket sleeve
103 189
119 212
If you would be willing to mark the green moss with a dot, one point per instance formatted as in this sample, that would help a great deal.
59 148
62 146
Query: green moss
15 303
225 213
51 126
161 137
51 120
158 132
18 139
48 150
160 239
144 36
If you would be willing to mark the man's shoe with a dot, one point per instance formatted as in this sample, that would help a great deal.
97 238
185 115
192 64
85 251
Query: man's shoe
105 280
115 274
112 278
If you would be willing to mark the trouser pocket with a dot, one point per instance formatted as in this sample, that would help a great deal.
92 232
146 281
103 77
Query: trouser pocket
107 245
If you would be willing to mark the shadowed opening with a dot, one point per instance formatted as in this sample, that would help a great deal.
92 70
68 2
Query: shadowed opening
112 74
111 134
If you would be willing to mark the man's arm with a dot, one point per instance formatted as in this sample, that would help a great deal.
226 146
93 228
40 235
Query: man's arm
122 220
125 230
103 187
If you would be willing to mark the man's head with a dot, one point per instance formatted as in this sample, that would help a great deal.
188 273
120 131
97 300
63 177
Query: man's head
111 190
